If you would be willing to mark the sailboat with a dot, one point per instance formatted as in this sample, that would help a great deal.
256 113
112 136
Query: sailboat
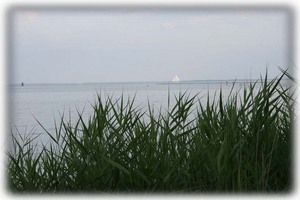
175 79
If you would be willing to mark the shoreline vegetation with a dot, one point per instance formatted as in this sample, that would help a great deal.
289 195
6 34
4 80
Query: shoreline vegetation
239 144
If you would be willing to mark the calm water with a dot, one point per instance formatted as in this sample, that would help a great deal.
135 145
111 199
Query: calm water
47 102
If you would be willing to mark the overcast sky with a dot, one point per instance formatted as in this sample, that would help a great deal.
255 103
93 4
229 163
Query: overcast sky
57 46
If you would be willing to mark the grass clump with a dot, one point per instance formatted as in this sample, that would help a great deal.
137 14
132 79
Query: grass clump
242 144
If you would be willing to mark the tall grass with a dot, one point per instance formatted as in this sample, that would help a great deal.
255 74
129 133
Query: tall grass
241 144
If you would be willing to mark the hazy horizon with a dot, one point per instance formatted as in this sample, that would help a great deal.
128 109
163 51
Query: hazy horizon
142 45
204 81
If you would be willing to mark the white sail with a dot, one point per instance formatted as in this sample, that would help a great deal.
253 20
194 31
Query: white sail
176 79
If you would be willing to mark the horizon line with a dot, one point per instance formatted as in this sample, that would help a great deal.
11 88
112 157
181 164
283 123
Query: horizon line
170 81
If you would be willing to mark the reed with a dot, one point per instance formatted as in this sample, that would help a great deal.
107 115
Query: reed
240 144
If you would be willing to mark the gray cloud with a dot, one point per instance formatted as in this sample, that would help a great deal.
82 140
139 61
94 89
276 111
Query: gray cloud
146 46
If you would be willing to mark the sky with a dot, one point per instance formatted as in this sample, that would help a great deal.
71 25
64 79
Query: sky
120 45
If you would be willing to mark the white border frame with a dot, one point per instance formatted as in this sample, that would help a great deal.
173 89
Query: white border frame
6 4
